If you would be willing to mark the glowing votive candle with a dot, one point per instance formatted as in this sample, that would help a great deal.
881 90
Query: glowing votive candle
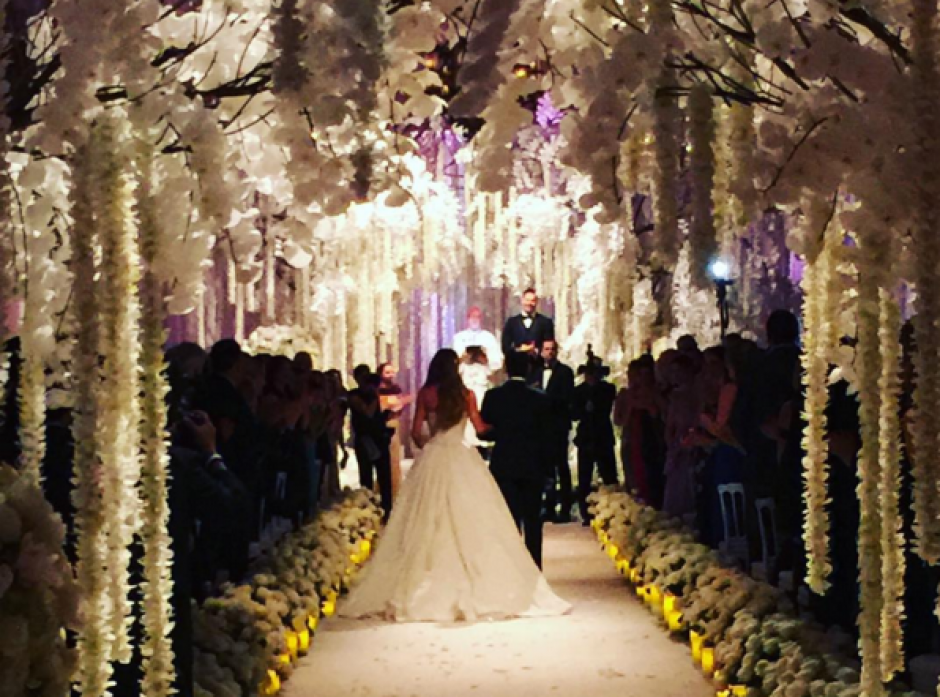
293 644
303 639
698 642
675 621
708 660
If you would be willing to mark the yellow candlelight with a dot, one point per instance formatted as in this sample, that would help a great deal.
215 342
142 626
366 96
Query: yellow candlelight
271 684
293 644
283 659
312 622
675 621
670 603
697 641
634 575
613 551
708 660
365 549
303 638
739 691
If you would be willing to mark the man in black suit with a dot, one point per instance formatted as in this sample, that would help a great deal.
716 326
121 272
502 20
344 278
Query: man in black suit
591 407
519 416
526 332
557 381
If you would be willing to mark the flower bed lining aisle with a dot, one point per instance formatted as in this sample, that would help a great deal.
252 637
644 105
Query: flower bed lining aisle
248 640
743 633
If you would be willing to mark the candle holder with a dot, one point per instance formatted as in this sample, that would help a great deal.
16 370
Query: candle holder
697 641
708 660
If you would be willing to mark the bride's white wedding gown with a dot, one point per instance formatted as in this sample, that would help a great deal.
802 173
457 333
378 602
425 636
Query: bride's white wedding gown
451 551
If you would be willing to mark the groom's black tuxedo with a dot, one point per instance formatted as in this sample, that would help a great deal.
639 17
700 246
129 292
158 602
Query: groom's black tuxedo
519 417
515 332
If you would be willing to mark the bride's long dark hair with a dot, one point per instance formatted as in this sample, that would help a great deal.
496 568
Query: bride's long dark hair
444 375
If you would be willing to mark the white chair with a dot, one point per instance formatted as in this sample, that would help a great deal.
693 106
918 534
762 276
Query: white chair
734 548
766 520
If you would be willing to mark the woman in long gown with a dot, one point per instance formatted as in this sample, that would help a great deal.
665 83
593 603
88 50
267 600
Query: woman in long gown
451 550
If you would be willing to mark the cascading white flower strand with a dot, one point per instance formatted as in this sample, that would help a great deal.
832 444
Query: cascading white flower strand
119 403
869 371
157 649
702 237
892 538
32 388
817 346
94 666
926 255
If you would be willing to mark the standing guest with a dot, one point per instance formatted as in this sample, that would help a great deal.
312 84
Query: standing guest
526 332
393 401
591 407
639 411
303 362
557 381
475 335
332 452
681 455
186 363
719 423
371 437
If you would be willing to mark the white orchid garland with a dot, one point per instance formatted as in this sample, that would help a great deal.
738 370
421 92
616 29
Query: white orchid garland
702 238
94 668
926 184
119 401
893 549
159 672
869 371
817 348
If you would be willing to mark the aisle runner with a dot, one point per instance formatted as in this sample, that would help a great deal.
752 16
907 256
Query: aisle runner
608 647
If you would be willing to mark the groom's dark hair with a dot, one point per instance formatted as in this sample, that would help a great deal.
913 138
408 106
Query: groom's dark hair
517 365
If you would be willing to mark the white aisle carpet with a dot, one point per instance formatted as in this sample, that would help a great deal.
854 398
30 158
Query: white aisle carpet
609 646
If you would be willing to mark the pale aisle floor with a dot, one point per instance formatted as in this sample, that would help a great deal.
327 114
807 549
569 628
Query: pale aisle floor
609 646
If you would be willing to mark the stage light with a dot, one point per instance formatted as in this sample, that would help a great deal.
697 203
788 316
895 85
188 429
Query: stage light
720 270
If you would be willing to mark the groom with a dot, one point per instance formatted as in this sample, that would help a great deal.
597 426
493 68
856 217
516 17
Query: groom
518 416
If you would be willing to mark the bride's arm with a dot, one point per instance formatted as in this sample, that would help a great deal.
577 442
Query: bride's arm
417 433
473 413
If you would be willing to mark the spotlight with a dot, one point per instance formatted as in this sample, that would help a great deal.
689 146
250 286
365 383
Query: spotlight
720 270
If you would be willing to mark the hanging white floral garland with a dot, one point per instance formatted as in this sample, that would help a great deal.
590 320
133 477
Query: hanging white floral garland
818 345
892 538
926 253
119 403
94 666
869 371
157 650
702 238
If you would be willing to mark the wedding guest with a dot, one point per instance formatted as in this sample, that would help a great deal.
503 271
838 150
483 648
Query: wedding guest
371 437
186 363
525 332
591 406
475 335
719 423
557 381
681 455
393 401
639 410
331 448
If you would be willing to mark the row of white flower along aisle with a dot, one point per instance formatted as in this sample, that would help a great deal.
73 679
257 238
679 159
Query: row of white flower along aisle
744 634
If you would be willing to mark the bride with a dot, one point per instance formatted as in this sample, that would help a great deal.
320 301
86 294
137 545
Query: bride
451 550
